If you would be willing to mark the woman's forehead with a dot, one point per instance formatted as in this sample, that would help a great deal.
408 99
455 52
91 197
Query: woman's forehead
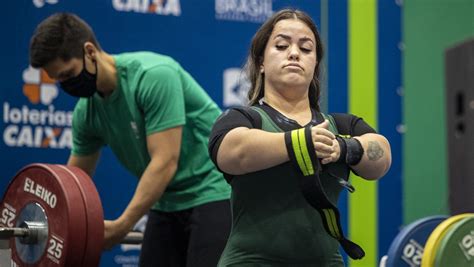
291 27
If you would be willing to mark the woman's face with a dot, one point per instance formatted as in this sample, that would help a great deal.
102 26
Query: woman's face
290 55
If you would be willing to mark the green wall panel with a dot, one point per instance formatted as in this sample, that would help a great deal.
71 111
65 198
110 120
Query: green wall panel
430 26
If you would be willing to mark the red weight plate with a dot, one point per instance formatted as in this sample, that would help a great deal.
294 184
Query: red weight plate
62 202
95 215
79 237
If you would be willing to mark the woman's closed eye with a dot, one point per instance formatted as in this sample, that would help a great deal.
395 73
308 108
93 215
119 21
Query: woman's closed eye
284 47
281 47
305 50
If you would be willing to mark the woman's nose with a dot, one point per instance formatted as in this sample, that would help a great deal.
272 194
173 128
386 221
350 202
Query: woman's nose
294 53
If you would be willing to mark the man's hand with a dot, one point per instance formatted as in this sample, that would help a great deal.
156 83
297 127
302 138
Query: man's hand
114 232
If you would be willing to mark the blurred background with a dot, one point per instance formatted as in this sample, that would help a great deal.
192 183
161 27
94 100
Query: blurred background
406 67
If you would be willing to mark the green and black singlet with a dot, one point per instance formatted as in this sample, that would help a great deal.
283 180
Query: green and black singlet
272 224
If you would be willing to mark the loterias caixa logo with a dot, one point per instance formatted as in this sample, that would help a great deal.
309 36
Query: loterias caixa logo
33 121
159 7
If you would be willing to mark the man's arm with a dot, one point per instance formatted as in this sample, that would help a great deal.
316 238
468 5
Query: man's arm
163 148
86 163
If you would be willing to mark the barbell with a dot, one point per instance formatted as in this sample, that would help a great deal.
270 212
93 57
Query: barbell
52 216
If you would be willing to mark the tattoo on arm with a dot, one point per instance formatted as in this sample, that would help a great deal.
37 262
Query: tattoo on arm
374 152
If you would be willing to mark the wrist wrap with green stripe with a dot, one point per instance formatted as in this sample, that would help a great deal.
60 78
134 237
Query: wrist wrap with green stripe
299 145
351 150
302 154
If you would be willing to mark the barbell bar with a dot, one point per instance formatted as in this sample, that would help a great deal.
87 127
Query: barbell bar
31 232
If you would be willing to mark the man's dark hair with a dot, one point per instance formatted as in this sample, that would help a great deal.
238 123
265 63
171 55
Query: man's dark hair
61 35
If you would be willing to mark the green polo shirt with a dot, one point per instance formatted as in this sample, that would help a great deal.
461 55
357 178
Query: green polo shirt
154 93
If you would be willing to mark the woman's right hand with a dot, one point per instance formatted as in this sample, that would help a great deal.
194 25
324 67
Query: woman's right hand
325 143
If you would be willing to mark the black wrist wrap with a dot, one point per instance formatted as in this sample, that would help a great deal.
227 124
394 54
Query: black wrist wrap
343 149
351 150
355 151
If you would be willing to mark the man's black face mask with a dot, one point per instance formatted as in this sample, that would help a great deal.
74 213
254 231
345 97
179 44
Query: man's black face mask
83 85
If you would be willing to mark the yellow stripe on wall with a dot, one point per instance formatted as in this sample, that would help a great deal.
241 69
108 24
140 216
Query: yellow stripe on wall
362 93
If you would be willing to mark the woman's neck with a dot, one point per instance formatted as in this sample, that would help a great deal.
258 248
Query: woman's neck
293 106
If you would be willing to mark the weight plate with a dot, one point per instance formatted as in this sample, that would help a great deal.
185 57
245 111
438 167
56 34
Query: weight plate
407 247
438 233
62 202
95 215
80 239
457 246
